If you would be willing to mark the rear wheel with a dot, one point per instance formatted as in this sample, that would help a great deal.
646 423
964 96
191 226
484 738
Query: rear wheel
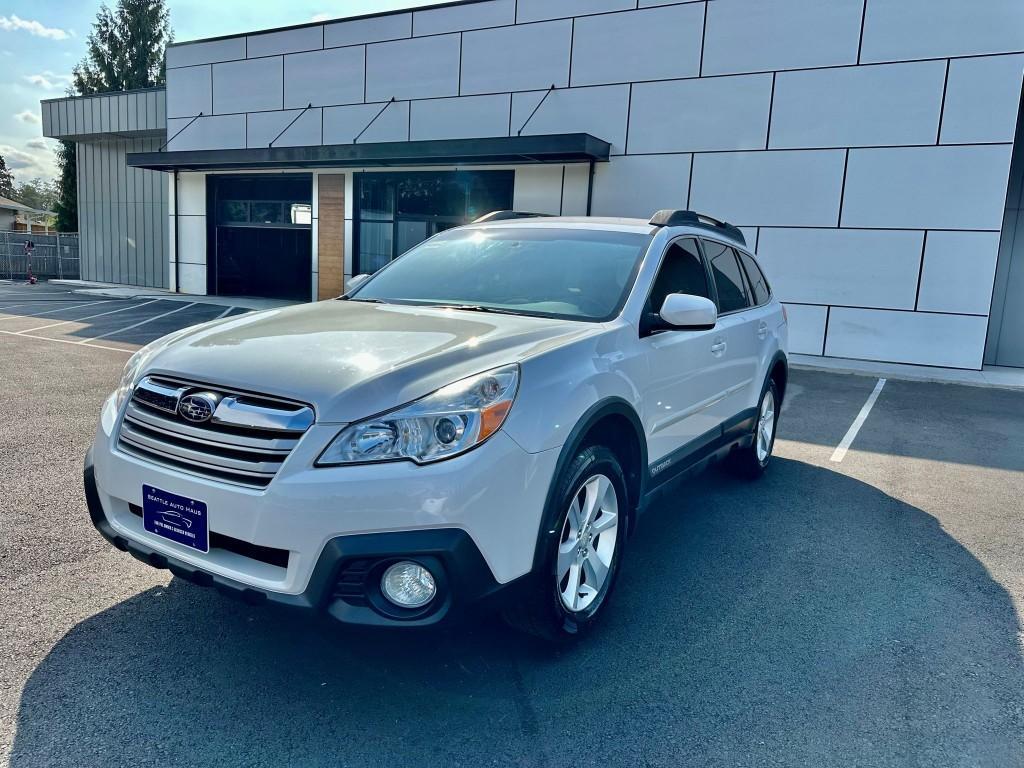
582 560
752 460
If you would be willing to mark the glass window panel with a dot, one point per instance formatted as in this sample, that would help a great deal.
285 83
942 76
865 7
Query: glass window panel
489 191
377 196
301 213
432 194
411 233
267 213
732 293
376 245
682 271
233 212
757 280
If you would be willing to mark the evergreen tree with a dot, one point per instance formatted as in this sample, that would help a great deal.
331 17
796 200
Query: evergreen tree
6 180
67 188
124 51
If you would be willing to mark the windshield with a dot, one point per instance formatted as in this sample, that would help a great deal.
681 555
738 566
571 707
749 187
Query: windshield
576 274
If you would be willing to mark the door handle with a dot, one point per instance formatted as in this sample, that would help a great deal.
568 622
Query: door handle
762 330
718 348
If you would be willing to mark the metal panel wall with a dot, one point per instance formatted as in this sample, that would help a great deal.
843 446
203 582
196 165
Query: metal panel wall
131 112
122 215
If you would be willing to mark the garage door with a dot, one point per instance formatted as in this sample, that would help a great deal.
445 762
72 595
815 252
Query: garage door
260 238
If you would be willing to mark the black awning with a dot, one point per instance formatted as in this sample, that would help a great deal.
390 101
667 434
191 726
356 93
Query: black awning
504 150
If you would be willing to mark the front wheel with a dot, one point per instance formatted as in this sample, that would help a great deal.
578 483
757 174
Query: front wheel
582 560
752 460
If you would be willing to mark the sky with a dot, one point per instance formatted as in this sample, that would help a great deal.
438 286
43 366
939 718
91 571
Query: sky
42 40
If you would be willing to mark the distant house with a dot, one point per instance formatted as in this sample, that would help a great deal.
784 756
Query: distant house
16 217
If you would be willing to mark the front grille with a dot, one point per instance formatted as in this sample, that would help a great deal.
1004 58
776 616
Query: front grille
245 442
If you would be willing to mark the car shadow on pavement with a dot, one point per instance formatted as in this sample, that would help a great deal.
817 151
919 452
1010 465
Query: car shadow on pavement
807 619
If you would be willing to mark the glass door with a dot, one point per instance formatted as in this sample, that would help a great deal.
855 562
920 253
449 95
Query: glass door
395 211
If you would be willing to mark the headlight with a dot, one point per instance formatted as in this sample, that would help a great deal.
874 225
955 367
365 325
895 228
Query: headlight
129 376
448 422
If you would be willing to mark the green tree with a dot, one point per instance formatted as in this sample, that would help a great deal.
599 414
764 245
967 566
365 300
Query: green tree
67 188
124 51
37 193
6 180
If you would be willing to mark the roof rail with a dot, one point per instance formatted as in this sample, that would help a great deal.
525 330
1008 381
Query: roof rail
672 218
507 215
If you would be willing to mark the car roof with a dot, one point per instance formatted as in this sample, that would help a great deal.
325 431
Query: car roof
600 223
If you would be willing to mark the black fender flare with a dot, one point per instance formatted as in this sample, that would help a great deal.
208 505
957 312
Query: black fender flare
778 357
610 406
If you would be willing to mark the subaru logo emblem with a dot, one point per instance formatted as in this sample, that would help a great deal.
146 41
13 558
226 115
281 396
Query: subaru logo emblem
199 407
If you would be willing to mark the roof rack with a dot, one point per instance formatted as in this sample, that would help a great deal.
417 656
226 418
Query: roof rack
672 218
507 215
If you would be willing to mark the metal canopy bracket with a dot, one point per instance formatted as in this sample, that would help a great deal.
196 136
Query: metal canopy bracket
542 100
374 120
501 150
296 118
176 135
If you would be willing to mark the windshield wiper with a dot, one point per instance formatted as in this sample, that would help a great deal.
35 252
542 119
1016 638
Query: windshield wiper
476 308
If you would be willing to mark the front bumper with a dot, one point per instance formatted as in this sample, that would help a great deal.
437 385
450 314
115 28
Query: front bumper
344 584
315 537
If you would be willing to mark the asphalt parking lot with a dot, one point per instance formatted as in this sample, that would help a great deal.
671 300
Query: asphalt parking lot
854 612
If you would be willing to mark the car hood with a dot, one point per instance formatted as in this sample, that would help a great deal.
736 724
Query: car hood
353 359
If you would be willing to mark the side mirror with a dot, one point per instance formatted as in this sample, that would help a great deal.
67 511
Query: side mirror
355 282
682 311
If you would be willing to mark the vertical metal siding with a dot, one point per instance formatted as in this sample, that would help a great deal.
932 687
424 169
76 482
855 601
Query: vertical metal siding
122 215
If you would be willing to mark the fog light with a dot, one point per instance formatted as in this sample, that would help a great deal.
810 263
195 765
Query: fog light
408 585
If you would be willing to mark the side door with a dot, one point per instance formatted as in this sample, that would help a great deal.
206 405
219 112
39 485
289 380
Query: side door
765 316
680 392
737 330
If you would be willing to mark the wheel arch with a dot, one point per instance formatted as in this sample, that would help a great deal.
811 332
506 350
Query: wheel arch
613 423
778 371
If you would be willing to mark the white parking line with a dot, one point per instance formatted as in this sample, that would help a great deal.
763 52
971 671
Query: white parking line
88 317
851 433
55 311
3 310
218 317
136 325
66 341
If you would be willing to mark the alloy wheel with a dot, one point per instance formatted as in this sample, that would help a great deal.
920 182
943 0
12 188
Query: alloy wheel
587 544
765 426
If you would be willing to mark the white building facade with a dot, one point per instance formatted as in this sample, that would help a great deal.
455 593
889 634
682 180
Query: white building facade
864 147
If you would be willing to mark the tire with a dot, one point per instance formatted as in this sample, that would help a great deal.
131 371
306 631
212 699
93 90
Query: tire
751 461
571 589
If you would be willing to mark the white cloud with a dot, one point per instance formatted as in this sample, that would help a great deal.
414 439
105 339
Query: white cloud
37 144
14 24
29 164
49 80
27 116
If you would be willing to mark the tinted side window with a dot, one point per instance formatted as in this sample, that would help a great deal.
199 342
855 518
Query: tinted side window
681 271
756 279
732 294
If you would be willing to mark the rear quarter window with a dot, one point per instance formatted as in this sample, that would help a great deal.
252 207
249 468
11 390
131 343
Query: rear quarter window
732 293
756 278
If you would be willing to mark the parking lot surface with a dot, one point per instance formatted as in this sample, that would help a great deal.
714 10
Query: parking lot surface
854 612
